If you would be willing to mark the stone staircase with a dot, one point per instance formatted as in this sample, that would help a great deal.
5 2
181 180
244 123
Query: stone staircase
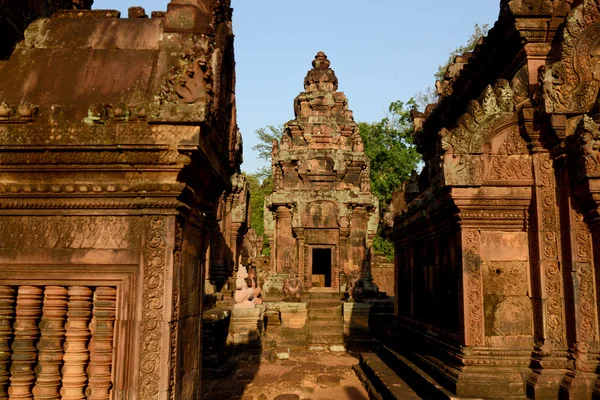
387 374
324 321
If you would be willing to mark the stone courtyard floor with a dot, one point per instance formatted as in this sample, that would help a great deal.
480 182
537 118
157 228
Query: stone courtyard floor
305 375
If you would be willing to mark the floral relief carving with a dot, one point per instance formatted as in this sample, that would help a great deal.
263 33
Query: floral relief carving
549 262
587 303
154 281
474 291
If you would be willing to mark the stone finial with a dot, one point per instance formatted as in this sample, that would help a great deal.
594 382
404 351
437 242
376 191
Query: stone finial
320 77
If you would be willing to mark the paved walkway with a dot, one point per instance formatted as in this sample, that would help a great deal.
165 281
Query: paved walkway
304 376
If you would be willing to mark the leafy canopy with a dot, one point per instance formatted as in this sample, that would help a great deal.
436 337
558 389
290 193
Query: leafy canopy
388 145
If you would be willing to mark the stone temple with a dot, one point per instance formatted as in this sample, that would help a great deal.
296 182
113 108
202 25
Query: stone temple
321 217
128 269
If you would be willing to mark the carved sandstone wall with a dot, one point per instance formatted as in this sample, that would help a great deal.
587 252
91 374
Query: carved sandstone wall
496 271
118 138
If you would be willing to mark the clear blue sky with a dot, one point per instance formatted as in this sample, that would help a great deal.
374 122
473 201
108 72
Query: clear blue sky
381 51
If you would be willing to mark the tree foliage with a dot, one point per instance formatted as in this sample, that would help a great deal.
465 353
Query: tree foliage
478 33
388 145
260 187
266 136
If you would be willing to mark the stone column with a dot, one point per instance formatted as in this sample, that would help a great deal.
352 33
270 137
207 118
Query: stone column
550 356
580 292
344 233
360 222
284 240
301 249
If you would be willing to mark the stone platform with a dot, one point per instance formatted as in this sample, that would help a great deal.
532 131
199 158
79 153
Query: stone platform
305 374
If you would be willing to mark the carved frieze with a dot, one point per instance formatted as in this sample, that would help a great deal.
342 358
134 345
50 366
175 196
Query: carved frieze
115 134
486 145
70 232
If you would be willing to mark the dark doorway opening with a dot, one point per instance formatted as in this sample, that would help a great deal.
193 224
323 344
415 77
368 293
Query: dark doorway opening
321 268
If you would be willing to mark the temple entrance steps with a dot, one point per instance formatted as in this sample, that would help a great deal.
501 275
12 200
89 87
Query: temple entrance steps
387 374
325 321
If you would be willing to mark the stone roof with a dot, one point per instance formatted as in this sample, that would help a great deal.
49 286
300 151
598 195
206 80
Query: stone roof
159 68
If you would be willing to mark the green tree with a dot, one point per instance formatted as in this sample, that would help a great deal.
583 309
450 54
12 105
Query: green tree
261 182
266 135
260 187
388 145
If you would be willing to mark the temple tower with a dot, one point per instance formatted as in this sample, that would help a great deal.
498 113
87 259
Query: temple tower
321 217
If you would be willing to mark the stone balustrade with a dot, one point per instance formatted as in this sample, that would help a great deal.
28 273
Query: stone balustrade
56 342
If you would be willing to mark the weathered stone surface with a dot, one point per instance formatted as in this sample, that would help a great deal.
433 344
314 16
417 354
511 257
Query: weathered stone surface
287 397
327 381
320 156
119 175
496 239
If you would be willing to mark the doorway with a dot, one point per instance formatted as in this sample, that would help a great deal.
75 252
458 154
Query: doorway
321 267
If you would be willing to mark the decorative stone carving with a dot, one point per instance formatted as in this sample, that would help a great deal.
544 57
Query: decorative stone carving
152 332
244 295
475 127
189 79
571 85
69 232
26 334
76 357
7 315
101 344
50 346
586 151
292 288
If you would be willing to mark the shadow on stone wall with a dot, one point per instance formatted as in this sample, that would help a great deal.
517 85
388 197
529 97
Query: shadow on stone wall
232 350
367 322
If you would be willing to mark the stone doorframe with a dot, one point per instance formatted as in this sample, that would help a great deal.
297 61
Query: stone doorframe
335 269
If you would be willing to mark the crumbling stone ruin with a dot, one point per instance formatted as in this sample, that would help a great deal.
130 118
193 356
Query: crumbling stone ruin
118 139
497 247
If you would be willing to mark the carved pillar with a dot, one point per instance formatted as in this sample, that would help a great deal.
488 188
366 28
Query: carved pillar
473 328
362 243
301 250
344 232
7 314
50 345
77 333
236 236
335 278
549 360
101 344
29 309
284 256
